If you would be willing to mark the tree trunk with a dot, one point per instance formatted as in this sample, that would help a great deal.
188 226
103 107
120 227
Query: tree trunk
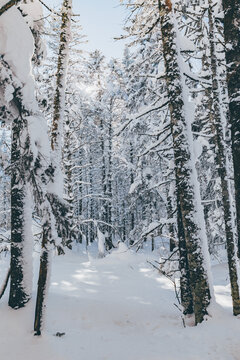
43 275
59 98
232 49
172 241
56 144
19 288
91 230
221 163
68 164
132 215
194 279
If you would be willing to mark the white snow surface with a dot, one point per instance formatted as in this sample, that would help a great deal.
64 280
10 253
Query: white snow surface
117 308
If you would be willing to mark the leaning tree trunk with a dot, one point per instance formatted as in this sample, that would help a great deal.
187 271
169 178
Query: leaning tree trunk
43 272
56 144
221 164
232 49
191 228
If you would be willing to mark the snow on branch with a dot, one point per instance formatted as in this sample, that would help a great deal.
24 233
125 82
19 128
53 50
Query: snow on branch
96 222
146 111
53 11
8 6
154 145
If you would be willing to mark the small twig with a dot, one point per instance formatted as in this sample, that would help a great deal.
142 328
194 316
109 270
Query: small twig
4 286
8 6
175 290
168 259
182 317
169 278
53 11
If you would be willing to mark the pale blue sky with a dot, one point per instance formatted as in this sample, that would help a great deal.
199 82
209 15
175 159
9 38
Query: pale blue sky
101 21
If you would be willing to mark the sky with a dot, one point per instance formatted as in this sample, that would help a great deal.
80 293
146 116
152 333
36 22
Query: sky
102 20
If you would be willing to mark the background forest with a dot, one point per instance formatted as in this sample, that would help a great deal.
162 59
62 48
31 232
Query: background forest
120 183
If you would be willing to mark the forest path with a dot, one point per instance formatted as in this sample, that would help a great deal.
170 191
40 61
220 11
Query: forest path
117 308
114 307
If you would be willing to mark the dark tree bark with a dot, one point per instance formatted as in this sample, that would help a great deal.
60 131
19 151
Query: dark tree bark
106 210
19 293
172 241
43 275
59 98
68 164
232 40
56 144
221 163
194 280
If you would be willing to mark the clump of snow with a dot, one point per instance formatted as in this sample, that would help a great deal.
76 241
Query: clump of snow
122 247
33 12
185 43
38 130
101 243
17 47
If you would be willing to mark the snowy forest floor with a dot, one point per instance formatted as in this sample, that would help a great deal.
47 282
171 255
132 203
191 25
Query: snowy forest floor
117 308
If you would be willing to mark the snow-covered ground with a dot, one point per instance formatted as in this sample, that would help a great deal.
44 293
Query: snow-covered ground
117 308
